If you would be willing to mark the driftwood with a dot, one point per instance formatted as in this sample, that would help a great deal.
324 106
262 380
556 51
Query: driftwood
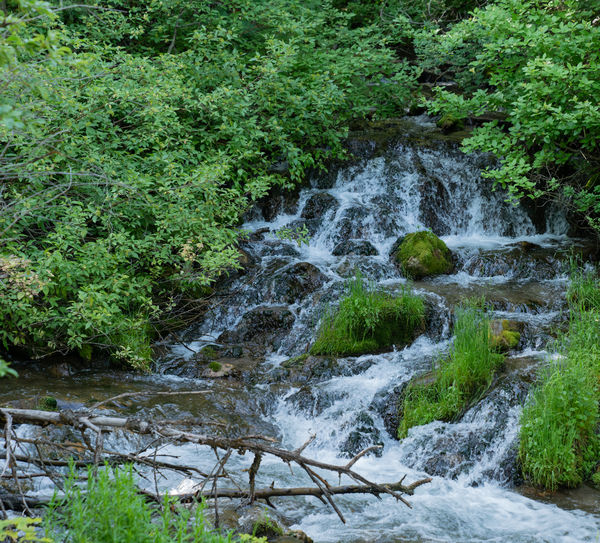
21 453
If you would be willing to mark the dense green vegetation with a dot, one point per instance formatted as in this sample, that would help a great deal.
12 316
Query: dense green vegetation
368 320
459 378
559 443
535 66
109 509
133 136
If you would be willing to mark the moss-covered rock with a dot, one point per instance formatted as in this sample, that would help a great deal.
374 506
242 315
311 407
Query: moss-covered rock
504 335
423 254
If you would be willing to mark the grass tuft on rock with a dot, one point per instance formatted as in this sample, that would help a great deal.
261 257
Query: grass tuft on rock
370 320
559 445
461 377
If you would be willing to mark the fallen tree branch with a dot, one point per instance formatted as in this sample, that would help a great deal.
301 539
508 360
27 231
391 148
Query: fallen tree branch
166 432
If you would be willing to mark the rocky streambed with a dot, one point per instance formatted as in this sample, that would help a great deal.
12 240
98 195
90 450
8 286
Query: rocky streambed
250 349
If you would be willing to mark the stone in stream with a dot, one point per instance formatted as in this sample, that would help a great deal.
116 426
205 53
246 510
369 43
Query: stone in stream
355 247
260 329
319 204
422 254
292 283
364 434
505 334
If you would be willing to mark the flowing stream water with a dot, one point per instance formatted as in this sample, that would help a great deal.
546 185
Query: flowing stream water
270 313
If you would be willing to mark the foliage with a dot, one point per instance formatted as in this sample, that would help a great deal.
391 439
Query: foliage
111 510
138 152
21 530
459 379
559 445
369 319
5 369
535 65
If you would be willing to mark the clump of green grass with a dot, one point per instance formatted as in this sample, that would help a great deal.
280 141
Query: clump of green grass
461 377
215 366
559 445
369 320
111 510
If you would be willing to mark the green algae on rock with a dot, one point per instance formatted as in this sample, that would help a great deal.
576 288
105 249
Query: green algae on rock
422 254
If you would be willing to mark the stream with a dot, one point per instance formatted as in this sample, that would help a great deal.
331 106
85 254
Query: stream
268 313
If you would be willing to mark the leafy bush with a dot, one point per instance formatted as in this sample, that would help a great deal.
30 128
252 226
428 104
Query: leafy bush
124 182
111 510
559 444
535 66
459 379
368 320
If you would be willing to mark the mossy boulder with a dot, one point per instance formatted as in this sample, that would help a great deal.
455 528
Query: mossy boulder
504 335
423 254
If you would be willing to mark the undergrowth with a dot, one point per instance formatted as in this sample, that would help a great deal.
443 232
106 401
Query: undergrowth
111 510
559 445
369 319
459 378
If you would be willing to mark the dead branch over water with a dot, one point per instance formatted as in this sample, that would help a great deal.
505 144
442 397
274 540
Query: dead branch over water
23 454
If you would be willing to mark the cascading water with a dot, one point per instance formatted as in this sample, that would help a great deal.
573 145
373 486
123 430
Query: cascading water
353 222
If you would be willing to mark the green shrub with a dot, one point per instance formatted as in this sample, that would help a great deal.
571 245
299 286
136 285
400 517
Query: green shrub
134 155
111 510
369 319
460 378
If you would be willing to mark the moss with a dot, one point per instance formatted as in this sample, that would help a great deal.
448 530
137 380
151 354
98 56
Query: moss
595 479
504 335
369 320
422 254
215 366
48 403
296 361
265 527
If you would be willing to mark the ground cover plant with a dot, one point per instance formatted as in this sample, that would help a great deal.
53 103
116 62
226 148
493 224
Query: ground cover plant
559 443
459 378
110 509
368 320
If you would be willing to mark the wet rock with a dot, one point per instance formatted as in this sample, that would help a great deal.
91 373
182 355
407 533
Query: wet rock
354 247
370 269
524 260
309 225
364 435
313 403
306 367
505 334
319 204
435 202
422 254
279 200
217 370
388 404
353 224
260 329
295 282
